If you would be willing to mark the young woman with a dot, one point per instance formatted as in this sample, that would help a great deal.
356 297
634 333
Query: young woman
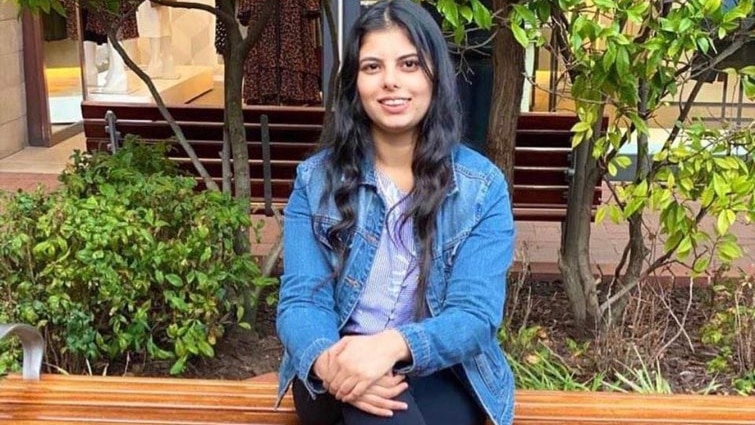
396 244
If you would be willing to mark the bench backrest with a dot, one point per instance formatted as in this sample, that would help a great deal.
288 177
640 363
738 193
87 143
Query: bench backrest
541 163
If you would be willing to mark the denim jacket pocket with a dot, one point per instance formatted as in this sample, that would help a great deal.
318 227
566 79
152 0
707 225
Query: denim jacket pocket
322 225
490 373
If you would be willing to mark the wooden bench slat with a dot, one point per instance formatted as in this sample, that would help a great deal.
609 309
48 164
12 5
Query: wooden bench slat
524 175
58 399
200 113
541 157
204 149
207 131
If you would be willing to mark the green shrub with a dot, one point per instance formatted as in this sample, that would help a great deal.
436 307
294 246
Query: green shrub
125 258
731 329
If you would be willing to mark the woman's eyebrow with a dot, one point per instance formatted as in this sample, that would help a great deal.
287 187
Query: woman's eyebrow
402 57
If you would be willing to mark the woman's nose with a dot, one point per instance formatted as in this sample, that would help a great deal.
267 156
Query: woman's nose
390 80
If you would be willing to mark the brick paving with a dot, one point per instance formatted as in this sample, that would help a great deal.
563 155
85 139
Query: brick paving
27 181
537 243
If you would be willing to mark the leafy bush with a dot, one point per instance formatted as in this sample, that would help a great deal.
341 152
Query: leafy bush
731 330
125 258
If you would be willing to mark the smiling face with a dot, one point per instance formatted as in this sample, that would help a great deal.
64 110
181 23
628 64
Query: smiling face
394 89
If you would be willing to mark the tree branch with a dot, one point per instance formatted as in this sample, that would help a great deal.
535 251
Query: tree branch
660 261
159 101
326 4
226 17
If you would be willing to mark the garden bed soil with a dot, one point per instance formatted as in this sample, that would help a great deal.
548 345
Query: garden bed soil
648 327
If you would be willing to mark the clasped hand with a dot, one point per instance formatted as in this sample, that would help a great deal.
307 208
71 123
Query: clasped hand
358 370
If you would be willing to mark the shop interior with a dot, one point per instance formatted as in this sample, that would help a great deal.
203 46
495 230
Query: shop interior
180 50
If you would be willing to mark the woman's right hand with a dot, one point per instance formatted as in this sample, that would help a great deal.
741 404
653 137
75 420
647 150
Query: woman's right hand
378 399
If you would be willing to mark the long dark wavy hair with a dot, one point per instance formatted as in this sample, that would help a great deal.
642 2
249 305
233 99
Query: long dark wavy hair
348 141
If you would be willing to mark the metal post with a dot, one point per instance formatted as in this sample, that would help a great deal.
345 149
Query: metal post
33 346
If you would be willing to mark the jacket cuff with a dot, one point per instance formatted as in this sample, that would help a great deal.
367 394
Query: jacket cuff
314 386
419 347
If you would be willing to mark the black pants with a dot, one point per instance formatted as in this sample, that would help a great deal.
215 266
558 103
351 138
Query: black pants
437 399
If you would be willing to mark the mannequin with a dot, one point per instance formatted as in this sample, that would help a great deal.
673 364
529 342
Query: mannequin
153 21
94 25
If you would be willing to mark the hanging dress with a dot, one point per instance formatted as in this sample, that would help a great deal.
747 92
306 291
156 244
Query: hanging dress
282 67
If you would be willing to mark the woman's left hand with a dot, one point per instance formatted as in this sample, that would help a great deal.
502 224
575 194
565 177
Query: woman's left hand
362 360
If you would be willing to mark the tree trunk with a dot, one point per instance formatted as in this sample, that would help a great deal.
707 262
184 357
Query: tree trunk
237 134
508 79
637 249
574 256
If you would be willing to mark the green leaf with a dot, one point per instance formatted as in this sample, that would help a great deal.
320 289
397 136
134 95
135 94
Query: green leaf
623 161
577 139
600 214
466 13
642 189
701 264
528 16
615 213
581 127
174 280
482 16
685 25
685 246
612 169
459 35
605 4
707 196
609 57
107 190
448 8
179 366
720 186
520 35
639 10
723 223
206 349
729 251
710 6
749 87
703 43
622 61
633 206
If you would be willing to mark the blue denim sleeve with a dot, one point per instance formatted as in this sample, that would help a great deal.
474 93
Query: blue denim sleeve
307 323
476 291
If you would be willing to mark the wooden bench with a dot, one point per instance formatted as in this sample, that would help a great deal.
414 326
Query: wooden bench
70 400
541 165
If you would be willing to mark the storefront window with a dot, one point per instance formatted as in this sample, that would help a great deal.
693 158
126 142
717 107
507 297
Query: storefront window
180 50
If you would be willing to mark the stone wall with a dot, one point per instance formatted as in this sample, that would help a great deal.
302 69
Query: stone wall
13 133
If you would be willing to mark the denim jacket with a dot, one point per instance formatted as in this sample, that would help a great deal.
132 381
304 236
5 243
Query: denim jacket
465 293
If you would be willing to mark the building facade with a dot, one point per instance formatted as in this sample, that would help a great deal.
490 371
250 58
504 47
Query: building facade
13 125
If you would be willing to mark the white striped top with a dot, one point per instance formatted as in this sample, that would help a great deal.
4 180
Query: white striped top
388 297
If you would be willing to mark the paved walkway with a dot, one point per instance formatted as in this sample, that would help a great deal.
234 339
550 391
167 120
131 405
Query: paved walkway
537 243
